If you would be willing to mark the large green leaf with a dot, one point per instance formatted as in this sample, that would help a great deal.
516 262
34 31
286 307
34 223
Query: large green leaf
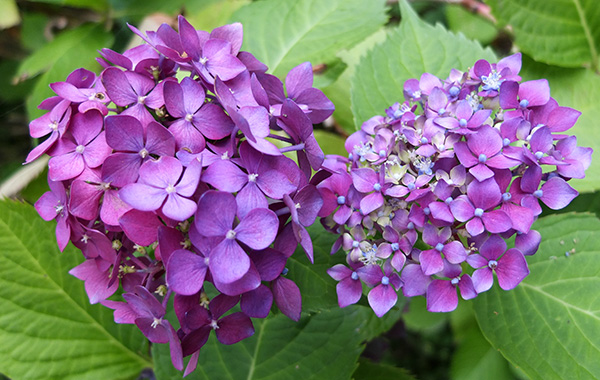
368 370
70 50
408 51
48 329
471 25
316 286
474 357
325 345
285 33
579 89
560 32
339 91
548 326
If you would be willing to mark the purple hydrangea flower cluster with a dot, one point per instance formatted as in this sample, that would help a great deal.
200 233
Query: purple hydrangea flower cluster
433 190
168 172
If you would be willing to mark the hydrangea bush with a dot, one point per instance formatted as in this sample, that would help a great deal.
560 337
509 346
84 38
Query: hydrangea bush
168 172
189 174
433 192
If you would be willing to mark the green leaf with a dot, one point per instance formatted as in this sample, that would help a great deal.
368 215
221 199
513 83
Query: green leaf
419 319
97 5
368 370
316 286
408 51
579 89
325 345
548 326
285 33
48 329
564 33
471 25
53 51
207 15
69 51
339 91
474 357
330 142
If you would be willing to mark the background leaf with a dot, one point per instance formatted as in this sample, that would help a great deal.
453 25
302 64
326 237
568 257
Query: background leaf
48 329
548 326
579 89
76 48
474 358
325 345
368 370
285 33
408 51
471 25
339 91
564 33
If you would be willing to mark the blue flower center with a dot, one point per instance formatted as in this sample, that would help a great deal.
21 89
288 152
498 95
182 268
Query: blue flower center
382 153
424 140
524 103
355 244
454 91
505 142
478 212
411 186
492 264
491 82
354 276
462 122
385 280
426 211
441 111
506 197
482 158
448 200
439 247
341 200
395 246
539 154
377 187
538 193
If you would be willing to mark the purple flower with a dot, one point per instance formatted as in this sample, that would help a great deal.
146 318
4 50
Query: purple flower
150 320
195 119
477 208
349 287
431 260
134 91
85 147
162 186
133 145
510 266
53 205
383 296
483 151
215 217
441 294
